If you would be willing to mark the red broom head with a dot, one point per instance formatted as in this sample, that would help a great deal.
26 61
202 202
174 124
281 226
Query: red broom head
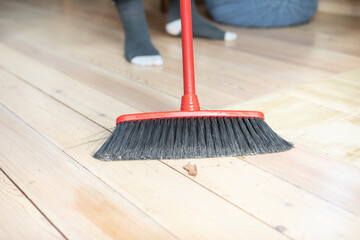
189 114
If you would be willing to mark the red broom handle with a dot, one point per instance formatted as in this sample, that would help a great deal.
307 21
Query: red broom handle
189 100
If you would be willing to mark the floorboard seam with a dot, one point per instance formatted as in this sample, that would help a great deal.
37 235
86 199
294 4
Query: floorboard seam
32 203
78 165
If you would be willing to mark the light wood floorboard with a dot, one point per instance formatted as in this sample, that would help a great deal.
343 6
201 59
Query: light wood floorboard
163 188
20 219
63 82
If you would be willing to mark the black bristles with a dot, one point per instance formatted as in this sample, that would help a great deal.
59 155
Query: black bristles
216 137
201 143
200 137
210 146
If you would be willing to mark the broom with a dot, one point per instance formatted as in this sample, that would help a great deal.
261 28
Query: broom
191 132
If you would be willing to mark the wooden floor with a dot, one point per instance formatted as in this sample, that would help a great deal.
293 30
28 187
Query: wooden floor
63 81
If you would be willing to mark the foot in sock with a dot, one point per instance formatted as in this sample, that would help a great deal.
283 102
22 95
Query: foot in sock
139 49
201 27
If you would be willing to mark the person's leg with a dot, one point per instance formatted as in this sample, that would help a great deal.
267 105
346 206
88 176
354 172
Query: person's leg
138 46
201 27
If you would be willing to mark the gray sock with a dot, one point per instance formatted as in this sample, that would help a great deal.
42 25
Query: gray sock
137 37
201 27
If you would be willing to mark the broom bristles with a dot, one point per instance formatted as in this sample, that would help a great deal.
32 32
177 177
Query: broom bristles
201 137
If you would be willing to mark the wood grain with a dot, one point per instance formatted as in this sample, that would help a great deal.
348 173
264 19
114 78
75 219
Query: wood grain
295 202
63 81
20 219
329 179
343 7
252 71
65 191
152 186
